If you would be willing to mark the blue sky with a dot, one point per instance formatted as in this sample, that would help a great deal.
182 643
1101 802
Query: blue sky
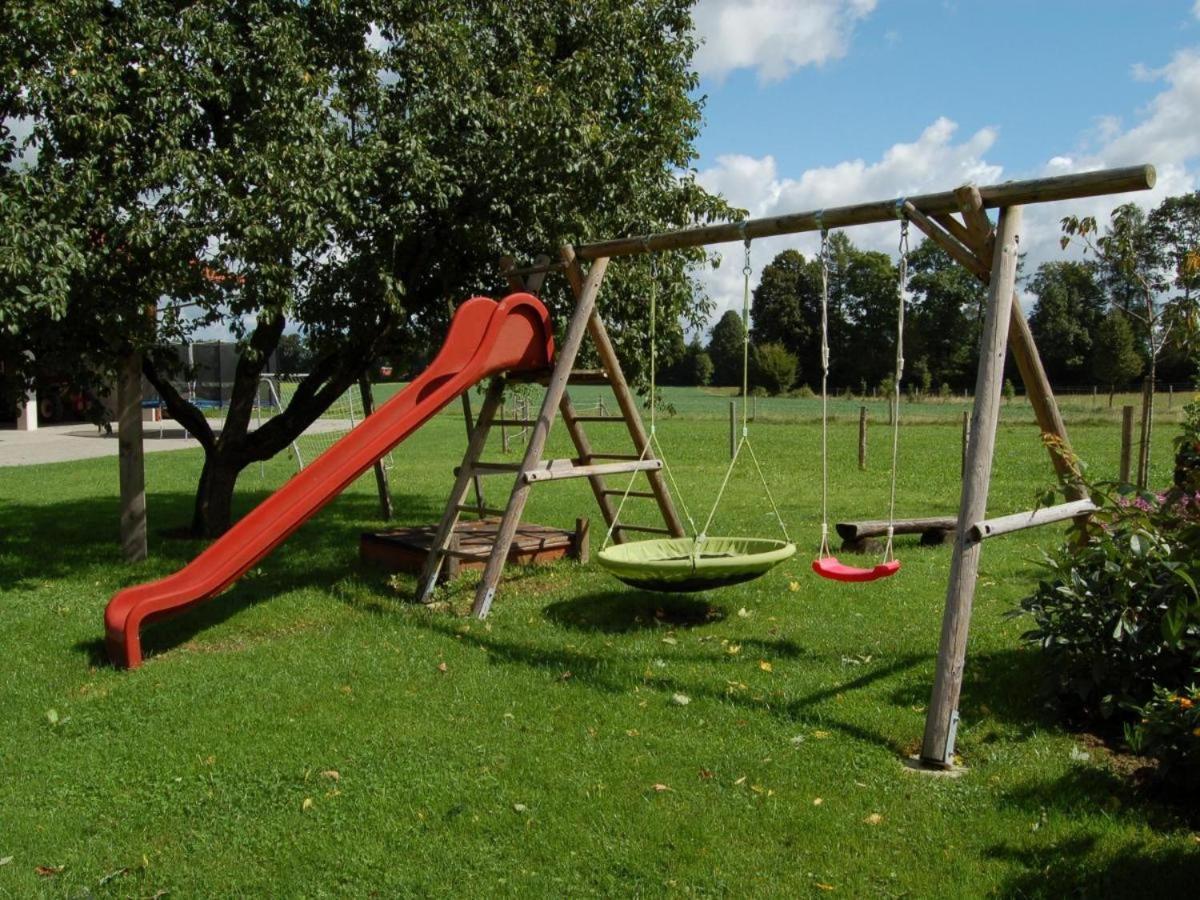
812 103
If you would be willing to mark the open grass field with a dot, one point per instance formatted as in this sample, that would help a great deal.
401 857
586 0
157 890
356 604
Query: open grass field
309 733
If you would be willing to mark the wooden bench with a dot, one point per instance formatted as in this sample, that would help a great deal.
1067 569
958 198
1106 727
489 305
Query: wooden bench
858 537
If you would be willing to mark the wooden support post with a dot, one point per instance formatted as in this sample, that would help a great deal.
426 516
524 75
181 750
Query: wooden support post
568 351
862 438
131 464
941 723
583 541
381 478
1126 443
966 439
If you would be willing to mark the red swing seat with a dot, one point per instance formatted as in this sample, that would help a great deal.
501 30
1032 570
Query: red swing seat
829 567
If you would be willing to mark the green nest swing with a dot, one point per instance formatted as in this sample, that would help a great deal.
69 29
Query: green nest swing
686 564
699 563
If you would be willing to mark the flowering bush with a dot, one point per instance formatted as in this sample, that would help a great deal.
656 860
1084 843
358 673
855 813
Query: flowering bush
1118 613
1169 729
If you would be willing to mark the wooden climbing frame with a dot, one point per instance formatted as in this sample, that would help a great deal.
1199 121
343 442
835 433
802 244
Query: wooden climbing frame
958 222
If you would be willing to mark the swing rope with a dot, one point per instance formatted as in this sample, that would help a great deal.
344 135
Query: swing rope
652 441
745 439
824 551
902 287
888 554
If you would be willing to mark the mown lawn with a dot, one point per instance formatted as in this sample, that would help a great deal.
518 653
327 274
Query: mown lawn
310 733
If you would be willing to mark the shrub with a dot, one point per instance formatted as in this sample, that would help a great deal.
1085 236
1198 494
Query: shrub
1116 614
1187 450
776 367
804 392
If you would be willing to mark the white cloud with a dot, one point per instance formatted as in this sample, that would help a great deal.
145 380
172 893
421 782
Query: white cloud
1163 134
774 37
934 161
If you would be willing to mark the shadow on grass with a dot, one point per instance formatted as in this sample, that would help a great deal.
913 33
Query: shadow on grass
1076 866
621 611
72 539
602 674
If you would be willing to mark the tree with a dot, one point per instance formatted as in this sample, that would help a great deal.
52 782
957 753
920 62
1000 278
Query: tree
702 368
292 355
1070 307
1174 227
725 348
866 348
340 167
1115 360
945 315
775 367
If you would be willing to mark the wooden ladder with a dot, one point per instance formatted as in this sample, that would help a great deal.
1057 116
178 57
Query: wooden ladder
532 470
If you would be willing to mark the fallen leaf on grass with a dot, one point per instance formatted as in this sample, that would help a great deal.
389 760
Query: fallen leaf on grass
659 788
822 886
681 699
820 735
306 805
565 676
764 665
743 613
670 640
873 819
817 801
795 586
733 649
520 807
741 780
632 732
4 861
705 774
48 871
332 775
442 667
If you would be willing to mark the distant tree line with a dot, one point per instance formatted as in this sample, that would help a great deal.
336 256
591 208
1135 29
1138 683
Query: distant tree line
1127 308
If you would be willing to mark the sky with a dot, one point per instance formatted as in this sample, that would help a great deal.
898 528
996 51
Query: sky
818 103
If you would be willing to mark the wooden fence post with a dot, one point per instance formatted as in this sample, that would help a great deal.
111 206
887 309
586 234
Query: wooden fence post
862 438
1126 442
941 723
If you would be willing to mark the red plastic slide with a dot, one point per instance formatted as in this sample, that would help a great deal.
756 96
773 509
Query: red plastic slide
485 337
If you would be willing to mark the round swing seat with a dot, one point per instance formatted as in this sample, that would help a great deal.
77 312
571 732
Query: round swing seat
674 565
829 567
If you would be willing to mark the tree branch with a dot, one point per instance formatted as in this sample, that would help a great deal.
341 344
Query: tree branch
183 412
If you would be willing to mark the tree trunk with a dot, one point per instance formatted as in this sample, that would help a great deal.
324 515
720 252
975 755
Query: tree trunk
1147 428
213 512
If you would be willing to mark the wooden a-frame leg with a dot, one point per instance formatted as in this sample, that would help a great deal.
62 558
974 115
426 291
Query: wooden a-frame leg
458 494
568 351
941 722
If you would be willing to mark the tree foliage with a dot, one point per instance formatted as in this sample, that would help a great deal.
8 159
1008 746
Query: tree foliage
1070 307
774 367
725 349
340 166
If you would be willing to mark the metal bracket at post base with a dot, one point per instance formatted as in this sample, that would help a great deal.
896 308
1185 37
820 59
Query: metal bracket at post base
947 759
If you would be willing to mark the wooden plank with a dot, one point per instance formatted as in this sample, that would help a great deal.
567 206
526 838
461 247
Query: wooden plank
957 229
1032 519
962 255
941 723
1038 190
560 472
620 456
568 352
854 531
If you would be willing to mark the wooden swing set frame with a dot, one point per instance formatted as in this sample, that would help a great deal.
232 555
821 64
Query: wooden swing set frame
958 222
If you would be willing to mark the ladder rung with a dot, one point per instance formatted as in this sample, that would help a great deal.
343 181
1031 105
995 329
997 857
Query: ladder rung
515 423
646 529
480 510
599 418
649 495
556 469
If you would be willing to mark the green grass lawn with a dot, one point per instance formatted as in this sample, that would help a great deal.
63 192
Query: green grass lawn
310 733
